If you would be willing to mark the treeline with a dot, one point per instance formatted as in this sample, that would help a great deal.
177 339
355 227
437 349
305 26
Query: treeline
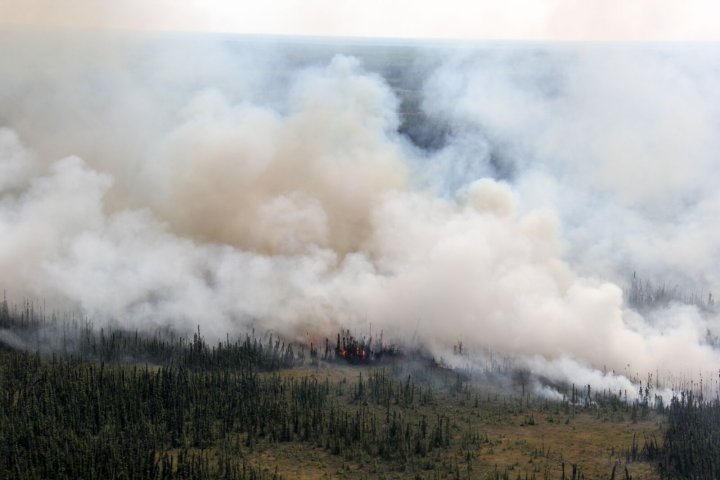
25 328
691 447
28 328
64 419
691 442
644 294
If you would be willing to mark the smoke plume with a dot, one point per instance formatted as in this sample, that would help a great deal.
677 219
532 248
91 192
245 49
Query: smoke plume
183 181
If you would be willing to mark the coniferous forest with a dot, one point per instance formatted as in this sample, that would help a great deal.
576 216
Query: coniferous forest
118 404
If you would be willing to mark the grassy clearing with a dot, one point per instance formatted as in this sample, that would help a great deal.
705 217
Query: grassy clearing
490 433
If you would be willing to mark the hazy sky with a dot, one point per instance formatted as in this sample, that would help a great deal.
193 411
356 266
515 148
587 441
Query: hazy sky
472 19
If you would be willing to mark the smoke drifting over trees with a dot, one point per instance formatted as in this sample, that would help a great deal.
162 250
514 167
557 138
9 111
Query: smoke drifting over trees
235 184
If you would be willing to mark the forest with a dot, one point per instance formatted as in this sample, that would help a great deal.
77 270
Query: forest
118 404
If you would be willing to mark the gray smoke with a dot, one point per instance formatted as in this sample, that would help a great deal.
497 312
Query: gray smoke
186 181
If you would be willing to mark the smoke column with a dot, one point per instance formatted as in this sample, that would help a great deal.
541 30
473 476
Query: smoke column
182 181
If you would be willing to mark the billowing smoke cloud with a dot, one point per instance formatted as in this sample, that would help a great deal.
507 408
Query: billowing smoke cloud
255 190
621 141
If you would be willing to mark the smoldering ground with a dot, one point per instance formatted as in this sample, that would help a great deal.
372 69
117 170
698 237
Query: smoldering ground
157 181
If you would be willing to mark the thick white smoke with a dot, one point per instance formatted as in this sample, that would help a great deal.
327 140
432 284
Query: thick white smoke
621 141
248 191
